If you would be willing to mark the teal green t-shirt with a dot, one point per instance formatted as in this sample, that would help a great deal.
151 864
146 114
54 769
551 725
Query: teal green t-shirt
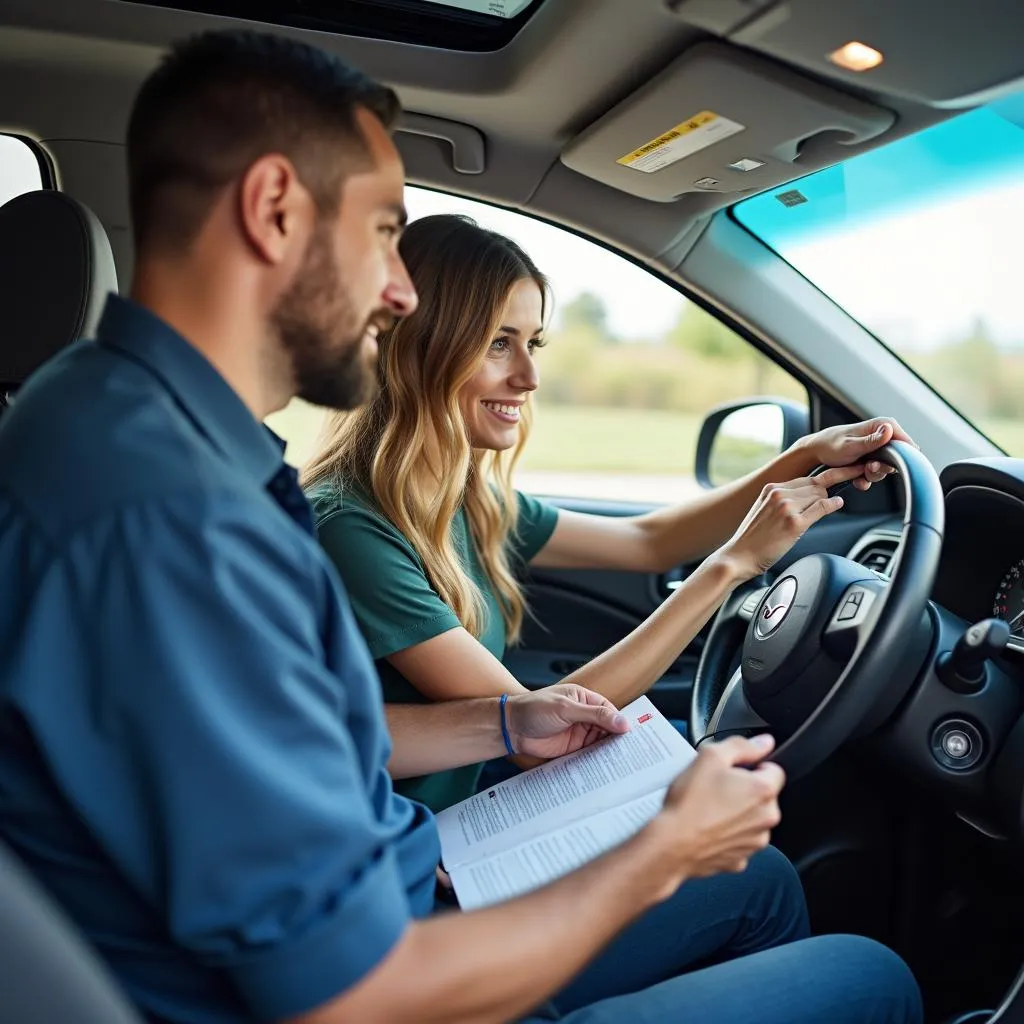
397 607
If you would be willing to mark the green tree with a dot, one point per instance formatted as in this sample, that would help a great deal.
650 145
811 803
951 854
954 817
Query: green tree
968 372
587 312
700 333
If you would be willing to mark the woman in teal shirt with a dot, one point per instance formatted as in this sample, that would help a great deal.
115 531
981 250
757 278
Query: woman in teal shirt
414 504
397 608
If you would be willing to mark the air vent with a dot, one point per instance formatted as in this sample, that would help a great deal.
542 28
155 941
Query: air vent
877 553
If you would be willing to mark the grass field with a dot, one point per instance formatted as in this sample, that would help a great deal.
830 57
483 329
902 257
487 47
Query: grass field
594 440
614 440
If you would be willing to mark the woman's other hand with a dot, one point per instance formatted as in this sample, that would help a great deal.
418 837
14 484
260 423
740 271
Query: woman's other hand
851 443
780 517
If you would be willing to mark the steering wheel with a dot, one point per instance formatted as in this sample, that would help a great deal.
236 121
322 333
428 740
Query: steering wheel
830 648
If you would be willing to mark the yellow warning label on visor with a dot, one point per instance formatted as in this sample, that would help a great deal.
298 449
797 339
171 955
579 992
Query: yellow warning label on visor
687 137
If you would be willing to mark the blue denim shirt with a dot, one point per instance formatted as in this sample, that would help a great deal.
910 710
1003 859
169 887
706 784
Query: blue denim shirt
192 742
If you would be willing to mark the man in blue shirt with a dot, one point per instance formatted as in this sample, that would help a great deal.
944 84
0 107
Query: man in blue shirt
193 750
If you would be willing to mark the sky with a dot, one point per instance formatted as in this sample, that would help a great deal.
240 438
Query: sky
926 276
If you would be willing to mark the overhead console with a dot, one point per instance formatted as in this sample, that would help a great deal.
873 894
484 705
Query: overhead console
721 120
942 55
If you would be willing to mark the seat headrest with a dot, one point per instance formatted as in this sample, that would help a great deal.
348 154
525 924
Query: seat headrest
56 269
47 970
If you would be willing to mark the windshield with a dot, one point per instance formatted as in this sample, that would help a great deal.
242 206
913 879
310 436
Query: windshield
921 242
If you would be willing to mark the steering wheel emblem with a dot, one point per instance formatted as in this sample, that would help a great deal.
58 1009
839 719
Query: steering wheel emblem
775 608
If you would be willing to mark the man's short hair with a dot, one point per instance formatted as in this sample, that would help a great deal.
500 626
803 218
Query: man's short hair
221 100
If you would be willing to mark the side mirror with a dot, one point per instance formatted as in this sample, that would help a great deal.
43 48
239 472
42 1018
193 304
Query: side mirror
739 437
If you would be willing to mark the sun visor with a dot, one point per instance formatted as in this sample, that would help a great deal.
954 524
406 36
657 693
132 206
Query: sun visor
720 121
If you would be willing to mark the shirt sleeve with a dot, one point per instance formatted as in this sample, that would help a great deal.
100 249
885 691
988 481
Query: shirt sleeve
536 522
216 767
394 603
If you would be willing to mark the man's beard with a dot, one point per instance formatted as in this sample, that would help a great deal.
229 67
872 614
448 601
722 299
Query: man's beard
321 332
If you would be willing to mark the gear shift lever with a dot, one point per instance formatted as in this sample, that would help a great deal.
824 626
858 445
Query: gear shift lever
963 668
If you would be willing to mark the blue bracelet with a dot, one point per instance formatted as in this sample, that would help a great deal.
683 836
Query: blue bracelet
504 725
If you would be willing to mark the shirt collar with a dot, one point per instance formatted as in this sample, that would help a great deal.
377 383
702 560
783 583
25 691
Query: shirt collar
202 393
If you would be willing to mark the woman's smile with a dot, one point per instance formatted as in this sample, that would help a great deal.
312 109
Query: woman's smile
507 412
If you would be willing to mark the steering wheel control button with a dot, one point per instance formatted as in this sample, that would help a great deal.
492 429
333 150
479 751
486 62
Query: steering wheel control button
775 608
851 606
843 631
957 744
857 601
750 603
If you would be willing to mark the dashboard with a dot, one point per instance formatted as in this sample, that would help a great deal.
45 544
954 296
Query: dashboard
981 573
959 730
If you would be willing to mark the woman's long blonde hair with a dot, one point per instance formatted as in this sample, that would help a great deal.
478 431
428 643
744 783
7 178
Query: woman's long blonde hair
408 449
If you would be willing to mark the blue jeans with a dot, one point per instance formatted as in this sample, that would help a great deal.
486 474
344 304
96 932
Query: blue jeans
734 949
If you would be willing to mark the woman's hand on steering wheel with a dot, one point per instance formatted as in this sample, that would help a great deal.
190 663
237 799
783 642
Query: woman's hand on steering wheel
851 443
780 517
830 650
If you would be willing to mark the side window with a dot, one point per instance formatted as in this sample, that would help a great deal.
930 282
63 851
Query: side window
20 169
629 372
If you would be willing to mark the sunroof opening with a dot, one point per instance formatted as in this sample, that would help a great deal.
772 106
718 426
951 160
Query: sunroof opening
477 25
495 8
